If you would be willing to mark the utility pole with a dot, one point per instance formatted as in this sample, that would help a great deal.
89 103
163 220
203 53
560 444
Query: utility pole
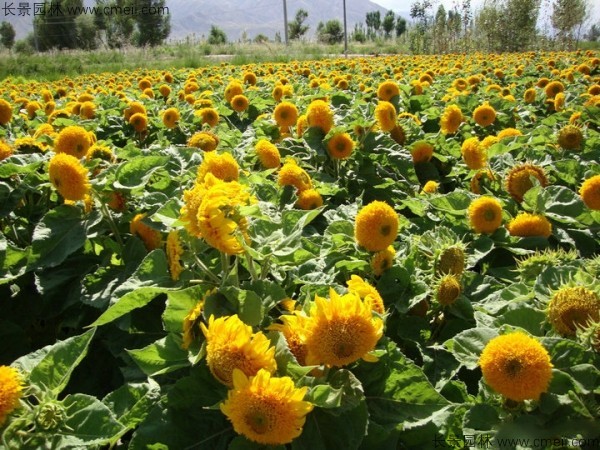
345 32
285 23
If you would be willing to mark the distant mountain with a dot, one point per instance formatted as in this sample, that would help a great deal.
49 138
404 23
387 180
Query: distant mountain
236 17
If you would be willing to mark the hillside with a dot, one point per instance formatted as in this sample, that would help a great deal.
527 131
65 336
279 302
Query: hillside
238 16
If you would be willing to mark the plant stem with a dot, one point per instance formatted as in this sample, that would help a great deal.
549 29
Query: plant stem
206 270
251 268
110 220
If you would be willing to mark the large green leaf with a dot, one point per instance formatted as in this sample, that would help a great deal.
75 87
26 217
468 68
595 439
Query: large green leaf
131 403
162 356
468 345
136 173
50 368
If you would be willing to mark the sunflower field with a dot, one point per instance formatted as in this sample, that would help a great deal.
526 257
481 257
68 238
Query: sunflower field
371 253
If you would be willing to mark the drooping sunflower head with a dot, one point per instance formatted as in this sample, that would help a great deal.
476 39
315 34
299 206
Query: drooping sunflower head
451 119
285 114
73 140
309 199
266 409
448 289
301 125
516 366
133 108
342 330
205 140
11 387
191 324
570 137
590 192
170 117
421 152
376 226
521 178
387 90
573 307
151 237
482 178
340 146
529 95
366 291
223 166
386 116
28 144
473 153
398 134
291 174
484 115
485 214
231 344
68 177
527 224
383 260
268 154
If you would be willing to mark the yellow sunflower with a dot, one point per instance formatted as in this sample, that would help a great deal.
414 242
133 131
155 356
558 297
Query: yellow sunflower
376 226
516 366
191 323
485 214
572 307
285 114
170 117
294 328
10 391
266 409
529 95
232 89
87 110
451 119
293 175
5 150
518 180
364 290
5 112
309 199
590 192
570 137
383 260
340 146
421 152
152 238
222 166
139 122
342 330
387 90
208 116
484 115
268 154
319 115
474 154
431 187
553 88
398 134
204 140
386 116
174 251
448 289
69 177
526 224
73 140
239 103
230 344
509 133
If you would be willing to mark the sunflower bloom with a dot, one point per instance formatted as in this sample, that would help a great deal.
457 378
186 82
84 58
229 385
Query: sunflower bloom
239 103
5 150
170 117
139 122
387 90
573 307
485 214
69 177
473 153
152 238
421 152
5 112
309 199
204 140
10 391
208 116
285 114
386 116
518 180
73 140
590 192
516 366
294 329
365 291
376 226
342 330
484 115
451 119
174 252
570 137
191 323
222 166
268 154
383 260
553 88
448 289
232 345
265 409
431 187
526 225
291 174
319 115
340 146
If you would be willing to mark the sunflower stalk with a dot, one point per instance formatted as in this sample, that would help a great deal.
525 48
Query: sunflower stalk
111 223
251 268
206 270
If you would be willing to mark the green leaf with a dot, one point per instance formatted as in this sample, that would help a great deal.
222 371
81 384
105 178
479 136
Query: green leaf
179 304
61 232
160 357
50 368
468 345
136 173
524 316
131 403
564 353
241 443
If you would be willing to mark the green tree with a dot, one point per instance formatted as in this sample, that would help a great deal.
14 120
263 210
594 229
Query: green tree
567 18
216 36
7 35
154 25
440 38
296 28
331 32
117 28
593 34
358 34
389 20
56 28
87 32
373 23
400 26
